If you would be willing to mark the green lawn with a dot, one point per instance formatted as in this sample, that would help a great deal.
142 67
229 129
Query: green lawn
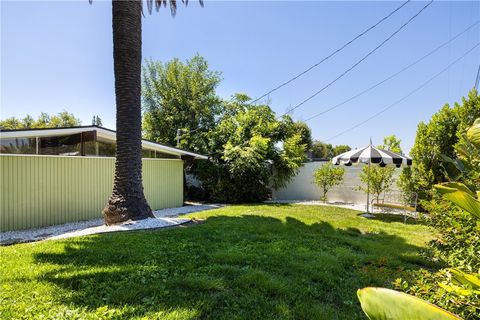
242 262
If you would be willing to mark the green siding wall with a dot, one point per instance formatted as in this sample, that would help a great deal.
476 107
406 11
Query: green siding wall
38 191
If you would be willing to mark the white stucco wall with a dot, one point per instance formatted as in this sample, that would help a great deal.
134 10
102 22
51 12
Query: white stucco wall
302 187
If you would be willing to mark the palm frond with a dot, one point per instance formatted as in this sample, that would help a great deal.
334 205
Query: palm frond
149 6
173 7
159 3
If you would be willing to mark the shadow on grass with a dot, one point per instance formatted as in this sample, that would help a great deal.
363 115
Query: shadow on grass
396 217
247 267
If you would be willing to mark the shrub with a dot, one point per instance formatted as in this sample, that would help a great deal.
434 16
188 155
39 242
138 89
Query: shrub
328 176
458 245
380 180
246 159
435 140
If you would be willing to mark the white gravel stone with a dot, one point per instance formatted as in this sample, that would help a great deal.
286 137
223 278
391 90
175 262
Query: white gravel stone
163 218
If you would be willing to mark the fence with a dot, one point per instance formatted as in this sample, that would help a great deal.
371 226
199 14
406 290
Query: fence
38 191
302 187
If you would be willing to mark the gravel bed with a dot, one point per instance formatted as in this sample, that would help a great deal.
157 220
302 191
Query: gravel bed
163 218
353 206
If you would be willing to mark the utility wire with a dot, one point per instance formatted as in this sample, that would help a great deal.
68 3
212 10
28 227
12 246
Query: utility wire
478 78
371 52
397 73
331 54
361 60
404 97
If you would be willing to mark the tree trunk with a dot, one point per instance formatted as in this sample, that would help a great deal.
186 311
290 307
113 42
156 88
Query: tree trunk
127 201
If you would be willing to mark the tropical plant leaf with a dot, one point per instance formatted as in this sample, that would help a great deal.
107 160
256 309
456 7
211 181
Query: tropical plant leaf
452 288
386 304
454 168
473 134
460 195
453 186
464 278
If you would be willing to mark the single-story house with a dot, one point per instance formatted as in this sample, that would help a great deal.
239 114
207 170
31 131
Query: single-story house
58 175
80 141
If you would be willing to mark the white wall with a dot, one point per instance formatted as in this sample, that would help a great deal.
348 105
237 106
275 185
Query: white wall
302 187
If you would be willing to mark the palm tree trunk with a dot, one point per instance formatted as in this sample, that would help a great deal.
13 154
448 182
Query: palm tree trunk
127 201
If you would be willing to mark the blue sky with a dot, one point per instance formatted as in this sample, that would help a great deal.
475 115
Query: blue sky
57 56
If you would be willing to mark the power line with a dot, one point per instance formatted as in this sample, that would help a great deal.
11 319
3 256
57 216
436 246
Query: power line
371 52
361 60
395 74
478 78
331 54
405 97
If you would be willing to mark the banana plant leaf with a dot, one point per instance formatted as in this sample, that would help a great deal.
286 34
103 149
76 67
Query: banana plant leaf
464 278
460 195
386 304
454 168
447 187
473 133
460 291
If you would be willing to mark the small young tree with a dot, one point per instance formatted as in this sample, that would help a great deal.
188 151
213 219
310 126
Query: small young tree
381 179
328 176
391 143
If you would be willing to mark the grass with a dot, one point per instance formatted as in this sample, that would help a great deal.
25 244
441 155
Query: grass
242 262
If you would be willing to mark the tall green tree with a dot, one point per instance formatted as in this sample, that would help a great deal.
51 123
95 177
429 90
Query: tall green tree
127 201
298 127
180 95
340 149
96 121
44 120
456 288
321 150
11 123
435 140
391 143
252 152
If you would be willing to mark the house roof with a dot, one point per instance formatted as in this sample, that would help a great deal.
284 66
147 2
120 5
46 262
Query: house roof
102 132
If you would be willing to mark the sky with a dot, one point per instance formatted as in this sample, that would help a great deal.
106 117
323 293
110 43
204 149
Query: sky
57 56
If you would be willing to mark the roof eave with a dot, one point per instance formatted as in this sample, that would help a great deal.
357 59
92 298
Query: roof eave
101 132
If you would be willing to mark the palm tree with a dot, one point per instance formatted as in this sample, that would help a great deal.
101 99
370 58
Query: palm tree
127 201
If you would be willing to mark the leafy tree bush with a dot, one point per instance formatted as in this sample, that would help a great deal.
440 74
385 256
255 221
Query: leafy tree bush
437 139
458 246
246 160
327 151
180 95
391 143
44 120
96 121
340 149
381 179
456 288
250 150
301 128
328 176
